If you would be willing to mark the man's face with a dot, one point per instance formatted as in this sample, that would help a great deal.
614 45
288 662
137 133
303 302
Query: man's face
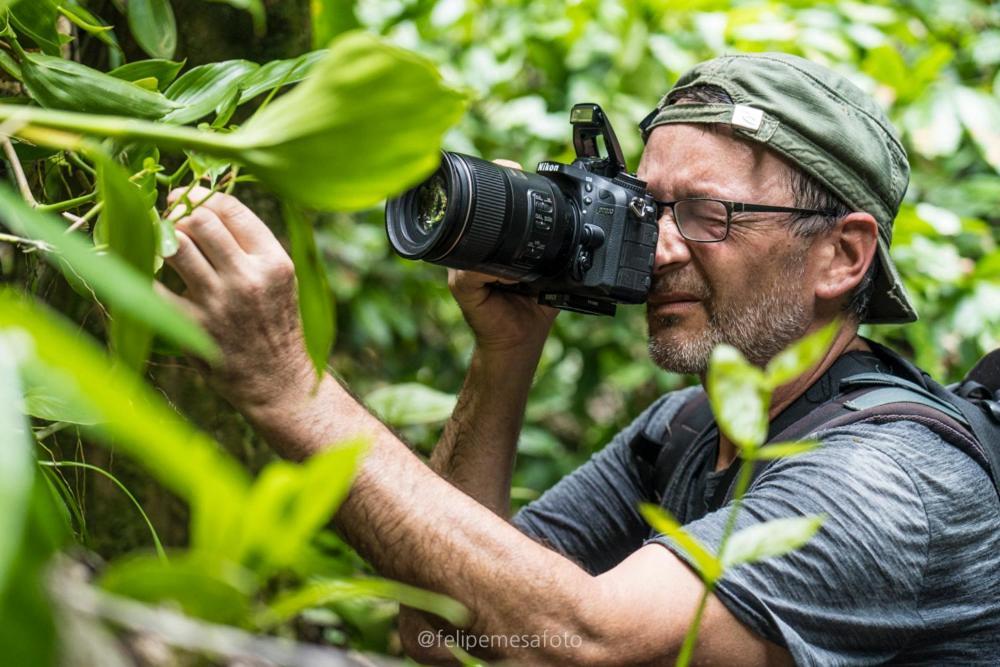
753 290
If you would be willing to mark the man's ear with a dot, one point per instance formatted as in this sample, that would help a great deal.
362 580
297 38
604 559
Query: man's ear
849 249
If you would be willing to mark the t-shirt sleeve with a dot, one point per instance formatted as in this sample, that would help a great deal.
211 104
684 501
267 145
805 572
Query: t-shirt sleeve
591 516
850 595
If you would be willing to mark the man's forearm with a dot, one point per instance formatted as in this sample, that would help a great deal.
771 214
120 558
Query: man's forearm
477 448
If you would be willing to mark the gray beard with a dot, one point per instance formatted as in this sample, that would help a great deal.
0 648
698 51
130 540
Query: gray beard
759 326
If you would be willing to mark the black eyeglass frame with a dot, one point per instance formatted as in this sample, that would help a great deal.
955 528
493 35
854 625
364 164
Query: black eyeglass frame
731 207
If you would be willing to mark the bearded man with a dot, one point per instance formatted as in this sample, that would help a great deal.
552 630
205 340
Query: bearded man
778 182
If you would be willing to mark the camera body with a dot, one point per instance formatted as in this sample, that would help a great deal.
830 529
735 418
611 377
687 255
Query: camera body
580 236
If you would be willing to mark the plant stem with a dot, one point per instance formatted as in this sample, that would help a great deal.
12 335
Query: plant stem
86 466
692 634
67 204
10 238
87 217
19 177
78 162
54 427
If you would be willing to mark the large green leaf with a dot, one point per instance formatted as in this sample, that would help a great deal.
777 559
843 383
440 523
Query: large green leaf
325 591
137 421
112 279
980 113
704 561
314 292
366 123
58 83
739 396
131 236
153 25
768 539
203 89
411 403
331 18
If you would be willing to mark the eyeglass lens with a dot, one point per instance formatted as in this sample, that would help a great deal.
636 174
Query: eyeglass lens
701 219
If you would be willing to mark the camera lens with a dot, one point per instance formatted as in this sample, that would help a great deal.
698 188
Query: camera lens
473 214
432 203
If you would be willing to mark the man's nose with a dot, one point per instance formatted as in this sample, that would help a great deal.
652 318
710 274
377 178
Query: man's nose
672 250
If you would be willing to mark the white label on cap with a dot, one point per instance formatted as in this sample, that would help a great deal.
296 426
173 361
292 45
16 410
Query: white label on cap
747 117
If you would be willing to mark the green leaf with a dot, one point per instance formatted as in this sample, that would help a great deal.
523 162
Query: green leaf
203 587
114 281
325 591
279 73
704 561
739 397
37 19
294 501
411 403
315 144
136 420
801 355
980 113
90 24
202 89
314 292
780 450
58 83
771 538
17 469
153 25
933 123
131 236
164 71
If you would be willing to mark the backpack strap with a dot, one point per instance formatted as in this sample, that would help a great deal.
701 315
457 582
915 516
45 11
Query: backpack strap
658 447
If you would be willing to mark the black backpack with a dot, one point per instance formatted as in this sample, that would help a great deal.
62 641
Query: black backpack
871 388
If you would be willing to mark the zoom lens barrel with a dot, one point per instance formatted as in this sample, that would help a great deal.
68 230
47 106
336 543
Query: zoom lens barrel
473 214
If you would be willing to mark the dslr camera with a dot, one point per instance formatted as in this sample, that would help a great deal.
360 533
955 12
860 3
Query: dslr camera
578 236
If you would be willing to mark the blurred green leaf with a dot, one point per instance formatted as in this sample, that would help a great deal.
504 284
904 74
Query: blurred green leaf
740 397
800 356
164 71
768 539
709 567
980 113
780 450
203 587
153 25
294 501
315 143
314 292
131 236
331 18
411 403
202 89
143 426
17 471
325 591
90 24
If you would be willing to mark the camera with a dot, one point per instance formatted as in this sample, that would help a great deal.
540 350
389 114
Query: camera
578 236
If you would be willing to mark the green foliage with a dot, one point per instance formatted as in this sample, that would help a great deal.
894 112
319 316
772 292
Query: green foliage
318 321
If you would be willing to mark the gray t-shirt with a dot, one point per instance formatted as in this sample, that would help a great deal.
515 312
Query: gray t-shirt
905 570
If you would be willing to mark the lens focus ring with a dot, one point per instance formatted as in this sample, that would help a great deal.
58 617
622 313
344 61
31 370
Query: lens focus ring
490 206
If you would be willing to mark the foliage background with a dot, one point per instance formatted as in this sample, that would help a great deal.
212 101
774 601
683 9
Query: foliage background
401 341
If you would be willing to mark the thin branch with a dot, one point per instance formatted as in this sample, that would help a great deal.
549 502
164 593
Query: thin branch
84 219
18 240
15 165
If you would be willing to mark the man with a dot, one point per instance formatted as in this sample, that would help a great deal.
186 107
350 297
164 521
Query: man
902 571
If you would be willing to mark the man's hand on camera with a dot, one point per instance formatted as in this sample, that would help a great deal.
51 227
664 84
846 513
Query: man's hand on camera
241 288
501 321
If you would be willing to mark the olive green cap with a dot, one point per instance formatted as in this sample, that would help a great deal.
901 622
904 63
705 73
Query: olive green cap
823 124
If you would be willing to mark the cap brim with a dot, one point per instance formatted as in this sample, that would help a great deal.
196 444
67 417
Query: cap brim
890 303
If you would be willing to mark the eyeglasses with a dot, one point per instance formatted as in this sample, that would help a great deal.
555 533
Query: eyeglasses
705 220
